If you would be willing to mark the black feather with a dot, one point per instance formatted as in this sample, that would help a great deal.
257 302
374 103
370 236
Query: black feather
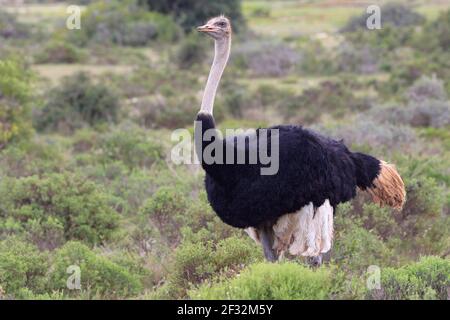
312 168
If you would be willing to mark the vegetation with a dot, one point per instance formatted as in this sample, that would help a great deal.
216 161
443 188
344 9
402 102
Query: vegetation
77 102
194 13
122 23
394 14
15 95
86 176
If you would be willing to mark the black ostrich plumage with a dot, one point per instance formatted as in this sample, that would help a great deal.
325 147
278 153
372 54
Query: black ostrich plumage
312 168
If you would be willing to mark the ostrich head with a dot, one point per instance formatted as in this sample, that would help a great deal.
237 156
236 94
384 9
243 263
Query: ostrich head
219 28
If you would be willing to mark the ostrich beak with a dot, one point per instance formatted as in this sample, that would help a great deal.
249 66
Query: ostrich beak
205 28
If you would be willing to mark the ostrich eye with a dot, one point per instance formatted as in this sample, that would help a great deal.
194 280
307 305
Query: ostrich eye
221 24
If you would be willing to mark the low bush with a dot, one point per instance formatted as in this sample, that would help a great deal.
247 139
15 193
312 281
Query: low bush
191 51
362 59
427 279
196 262
425 201
10 28
426 88
266 59
171 112
356 248
393 14
166 81
419 229
334 98
99 276
32 157
316 59
439 28
287 281
21 266
129 144
77 102
15 96
59 52
191 13
136 265
365 132
166 211
114 22
55 208
426 113
403 74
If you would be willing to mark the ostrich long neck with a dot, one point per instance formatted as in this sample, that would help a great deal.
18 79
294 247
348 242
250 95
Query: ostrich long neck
222 53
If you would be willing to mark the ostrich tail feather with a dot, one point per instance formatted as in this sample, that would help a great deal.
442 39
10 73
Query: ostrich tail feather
388 187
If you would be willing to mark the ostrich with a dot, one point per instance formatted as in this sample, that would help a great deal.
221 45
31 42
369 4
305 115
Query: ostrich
290 211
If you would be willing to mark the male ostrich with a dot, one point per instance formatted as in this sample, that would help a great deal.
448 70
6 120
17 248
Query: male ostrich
292 210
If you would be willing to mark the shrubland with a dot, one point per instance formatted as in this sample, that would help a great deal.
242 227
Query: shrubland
86 178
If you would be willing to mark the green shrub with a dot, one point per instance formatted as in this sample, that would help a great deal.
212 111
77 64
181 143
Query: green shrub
10 28
130 187
406 71
380 220
442 135
425 197
424 203
99 277
234 97
21 266
356 248
135 265
166 81
316 59
266 59
172 112
287 281
116 22
426 114
199 261
56 207
427 279
59 52
192 13
427 88
165 210
32 157
77 102
358 58
393 14
329 97
439 28
15 95
366 132
129 144
191 51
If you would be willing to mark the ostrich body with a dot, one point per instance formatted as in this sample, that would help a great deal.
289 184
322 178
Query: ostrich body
292 210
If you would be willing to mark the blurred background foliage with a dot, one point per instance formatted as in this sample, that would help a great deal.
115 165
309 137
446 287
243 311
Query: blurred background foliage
86 118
